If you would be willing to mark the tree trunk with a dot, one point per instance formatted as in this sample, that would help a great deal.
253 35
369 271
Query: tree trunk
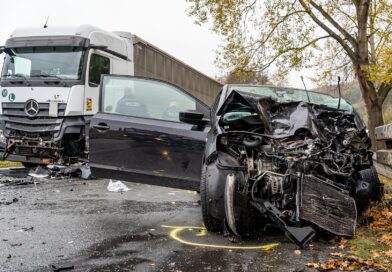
375 119
373 105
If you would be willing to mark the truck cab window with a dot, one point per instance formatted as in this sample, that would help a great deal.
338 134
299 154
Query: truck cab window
99 65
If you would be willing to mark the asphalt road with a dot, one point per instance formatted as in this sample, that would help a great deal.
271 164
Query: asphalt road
73 222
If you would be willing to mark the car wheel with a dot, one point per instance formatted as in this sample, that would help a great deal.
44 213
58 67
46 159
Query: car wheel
376 187
207 204
368 188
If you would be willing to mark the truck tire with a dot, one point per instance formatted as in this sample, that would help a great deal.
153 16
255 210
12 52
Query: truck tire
211 223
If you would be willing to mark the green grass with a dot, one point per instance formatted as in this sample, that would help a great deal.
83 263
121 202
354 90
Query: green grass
364 243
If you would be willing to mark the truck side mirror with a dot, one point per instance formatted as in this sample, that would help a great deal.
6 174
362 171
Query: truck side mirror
2 49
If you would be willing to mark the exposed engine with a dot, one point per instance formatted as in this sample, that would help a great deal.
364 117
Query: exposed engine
300 164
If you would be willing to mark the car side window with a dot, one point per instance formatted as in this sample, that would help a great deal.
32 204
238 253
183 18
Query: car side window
145 98
99 65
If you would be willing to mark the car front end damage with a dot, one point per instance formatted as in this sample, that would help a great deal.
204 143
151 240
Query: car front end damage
302 166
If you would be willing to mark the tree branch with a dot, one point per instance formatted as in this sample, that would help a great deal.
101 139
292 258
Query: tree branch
383 92
339 39
347 35
300 48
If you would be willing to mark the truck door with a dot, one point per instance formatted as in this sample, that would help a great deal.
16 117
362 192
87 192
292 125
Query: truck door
98 64
137 135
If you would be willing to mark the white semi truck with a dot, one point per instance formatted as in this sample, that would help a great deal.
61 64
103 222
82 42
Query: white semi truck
50 87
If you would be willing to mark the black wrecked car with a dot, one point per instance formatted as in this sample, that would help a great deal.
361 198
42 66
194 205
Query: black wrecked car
299 160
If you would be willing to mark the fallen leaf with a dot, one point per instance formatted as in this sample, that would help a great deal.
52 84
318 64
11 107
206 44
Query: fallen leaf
313 265
297 252
388 253
336 254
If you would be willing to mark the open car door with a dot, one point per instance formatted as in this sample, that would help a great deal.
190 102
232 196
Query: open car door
137 134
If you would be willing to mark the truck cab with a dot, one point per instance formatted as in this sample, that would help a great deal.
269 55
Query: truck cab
49 89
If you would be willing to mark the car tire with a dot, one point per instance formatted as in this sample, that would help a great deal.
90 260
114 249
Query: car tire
369 188
376 187
211 223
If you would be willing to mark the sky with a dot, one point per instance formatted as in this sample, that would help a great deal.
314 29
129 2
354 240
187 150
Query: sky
165 24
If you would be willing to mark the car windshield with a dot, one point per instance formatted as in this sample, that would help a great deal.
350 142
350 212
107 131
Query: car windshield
288 94
61 62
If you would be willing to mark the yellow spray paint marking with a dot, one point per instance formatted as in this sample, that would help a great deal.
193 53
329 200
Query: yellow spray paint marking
176 230
202 232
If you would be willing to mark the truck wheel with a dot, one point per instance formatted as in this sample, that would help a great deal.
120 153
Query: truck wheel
207 204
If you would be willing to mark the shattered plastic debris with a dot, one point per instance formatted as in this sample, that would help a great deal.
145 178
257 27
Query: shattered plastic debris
60 171
14 200
10 181
117 187
62 268
39 172
86 172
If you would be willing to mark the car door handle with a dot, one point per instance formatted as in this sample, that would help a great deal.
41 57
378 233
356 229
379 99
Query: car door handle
101 126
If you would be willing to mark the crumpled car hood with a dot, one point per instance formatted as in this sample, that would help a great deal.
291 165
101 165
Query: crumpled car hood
286 119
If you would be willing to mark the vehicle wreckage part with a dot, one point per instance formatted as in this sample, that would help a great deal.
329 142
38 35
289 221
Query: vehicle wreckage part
299 235
212 188
327 206
211 222
368 187
229 202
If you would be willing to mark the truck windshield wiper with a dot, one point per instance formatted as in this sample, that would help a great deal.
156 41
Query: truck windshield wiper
16 75
47 76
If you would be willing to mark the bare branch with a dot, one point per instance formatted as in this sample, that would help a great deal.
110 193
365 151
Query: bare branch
300 48
339 39
346 35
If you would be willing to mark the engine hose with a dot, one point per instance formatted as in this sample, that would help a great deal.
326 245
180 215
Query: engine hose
252 143
331 172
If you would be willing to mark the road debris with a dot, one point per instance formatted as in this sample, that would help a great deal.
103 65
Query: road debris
10 181
14 200
25 229
62 268
40 172
117 187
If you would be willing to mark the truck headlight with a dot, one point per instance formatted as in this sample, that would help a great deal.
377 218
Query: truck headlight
2 137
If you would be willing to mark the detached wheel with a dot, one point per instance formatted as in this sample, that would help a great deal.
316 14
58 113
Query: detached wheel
208 201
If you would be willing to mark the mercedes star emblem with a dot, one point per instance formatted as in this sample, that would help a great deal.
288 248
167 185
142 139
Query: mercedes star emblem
31 108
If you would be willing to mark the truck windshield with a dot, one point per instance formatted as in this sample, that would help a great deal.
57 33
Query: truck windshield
61 62
287 94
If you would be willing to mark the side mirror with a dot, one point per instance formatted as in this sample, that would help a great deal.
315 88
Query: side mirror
194 118
2 49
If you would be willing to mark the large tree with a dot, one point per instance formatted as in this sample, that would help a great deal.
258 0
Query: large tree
351 38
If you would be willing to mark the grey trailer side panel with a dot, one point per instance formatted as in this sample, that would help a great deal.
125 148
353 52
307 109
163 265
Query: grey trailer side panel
152 62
